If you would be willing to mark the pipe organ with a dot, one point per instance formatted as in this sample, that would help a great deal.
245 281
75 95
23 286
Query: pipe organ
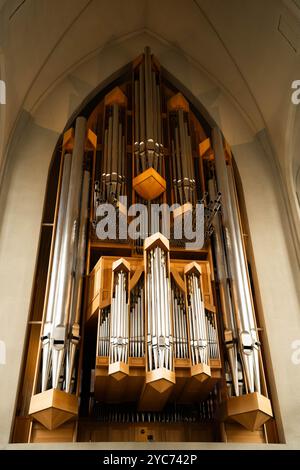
196 314
158 307
119 318
111 177
138 338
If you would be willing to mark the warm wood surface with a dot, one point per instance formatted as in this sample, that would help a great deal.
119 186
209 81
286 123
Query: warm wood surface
146 432
149 184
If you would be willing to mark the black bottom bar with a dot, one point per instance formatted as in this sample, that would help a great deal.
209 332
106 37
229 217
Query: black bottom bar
137 458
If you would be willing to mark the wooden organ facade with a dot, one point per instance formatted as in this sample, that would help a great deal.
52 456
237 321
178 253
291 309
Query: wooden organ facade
139 338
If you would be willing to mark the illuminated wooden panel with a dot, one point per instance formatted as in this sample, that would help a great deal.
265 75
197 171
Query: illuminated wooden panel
118 370
177 102
251 410
204 147
53 407
107 389
68 140
201 372
40 434
115 96
235 432
157 240
149 184
157 390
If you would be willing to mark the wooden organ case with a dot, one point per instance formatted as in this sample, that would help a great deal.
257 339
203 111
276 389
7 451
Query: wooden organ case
135 335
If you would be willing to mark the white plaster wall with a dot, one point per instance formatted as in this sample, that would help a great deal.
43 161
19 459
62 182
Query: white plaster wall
22 201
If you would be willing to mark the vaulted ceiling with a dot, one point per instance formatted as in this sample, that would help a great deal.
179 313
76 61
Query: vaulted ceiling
251 48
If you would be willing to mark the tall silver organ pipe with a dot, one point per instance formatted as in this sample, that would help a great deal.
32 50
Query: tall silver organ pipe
197 318
47 330
159 313
112 179
148 123
66 265
74 321
119 317
182 165
238 271
229 322
71 216
137 334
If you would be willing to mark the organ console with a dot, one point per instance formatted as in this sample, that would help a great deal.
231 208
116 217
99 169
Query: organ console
141 332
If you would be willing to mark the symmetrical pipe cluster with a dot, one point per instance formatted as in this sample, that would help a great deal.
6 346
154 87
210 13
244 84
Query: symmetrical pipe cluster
159 312
111 183
241 336
61 328
182 163
119 318
148 145
197 319
165 321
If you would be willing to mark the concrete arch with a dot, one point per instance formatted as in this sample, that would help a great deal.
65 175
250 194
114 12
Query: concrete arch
23 193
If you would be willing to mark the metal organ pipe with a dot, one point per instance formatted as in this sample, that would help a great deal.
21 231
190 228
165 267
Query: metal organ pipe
230 328
74 326
142 105
47 330
197 319
148 124
182 165
246 281
114 151
61 329
113 155
159 320
66 266
247 332
119 318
